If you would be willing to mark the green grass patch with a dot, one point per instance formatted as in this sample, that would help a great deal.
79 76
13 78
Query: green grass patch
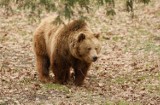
121 79
150 46
141 40
109 103
157 13
153 88
120 102
26 81
158 76
158 26
146 45
58 87
117 38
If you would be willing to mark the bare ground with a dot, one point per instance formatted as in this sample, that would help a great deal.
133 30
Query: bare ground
128 72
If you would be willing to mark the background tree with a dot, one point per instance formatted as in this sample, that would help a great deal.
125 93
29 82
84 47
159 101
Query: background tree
66 8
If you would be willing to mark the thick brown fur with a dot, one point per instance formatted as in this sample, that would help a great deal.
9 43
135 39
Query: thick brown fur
60 47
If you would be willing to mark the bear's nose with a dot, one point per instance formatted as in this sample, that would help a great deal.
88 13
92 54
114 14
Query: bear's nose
95 58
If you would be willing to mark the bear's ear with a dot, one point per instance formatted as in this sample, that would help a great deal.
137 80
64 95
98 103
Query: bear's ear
97 35
81 37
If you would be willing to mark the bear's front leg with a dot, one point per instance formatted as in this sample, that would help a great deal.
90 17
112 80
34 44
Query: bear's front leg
80 76
61 71
61 75
80 71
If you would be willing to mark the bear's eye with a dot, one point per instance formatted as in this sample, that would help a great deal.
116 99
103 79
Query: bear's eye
89 49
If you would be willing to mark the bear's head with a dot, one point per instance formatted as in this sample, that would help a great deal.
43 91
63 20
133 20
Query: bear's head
86 46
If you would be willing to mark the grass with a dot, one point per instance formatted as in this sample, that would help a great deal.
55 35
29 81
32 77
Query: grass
143 40
119 102
26 81
109 103
122 102
117 38
122 79
57 87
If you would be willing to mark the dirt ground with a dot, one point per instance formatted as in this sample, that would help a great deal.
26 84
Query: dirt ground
128 72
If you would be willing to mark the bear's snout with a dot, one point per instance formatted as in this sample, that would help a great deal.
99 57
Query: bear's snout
94 58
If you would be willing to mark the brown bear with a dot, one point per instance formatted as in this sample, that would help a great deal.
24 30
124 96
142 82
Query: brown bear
65 46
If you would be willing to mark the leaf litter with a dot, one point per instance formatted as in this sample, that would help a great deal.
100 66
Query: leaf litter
128 71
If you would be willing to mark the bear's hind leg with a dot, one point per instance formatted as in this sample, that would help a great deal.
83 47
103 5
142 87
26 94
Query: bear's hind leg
43 63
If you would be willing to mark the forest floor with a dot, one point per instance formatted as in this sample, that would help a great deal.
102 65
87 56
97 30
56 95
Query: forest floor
128 72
